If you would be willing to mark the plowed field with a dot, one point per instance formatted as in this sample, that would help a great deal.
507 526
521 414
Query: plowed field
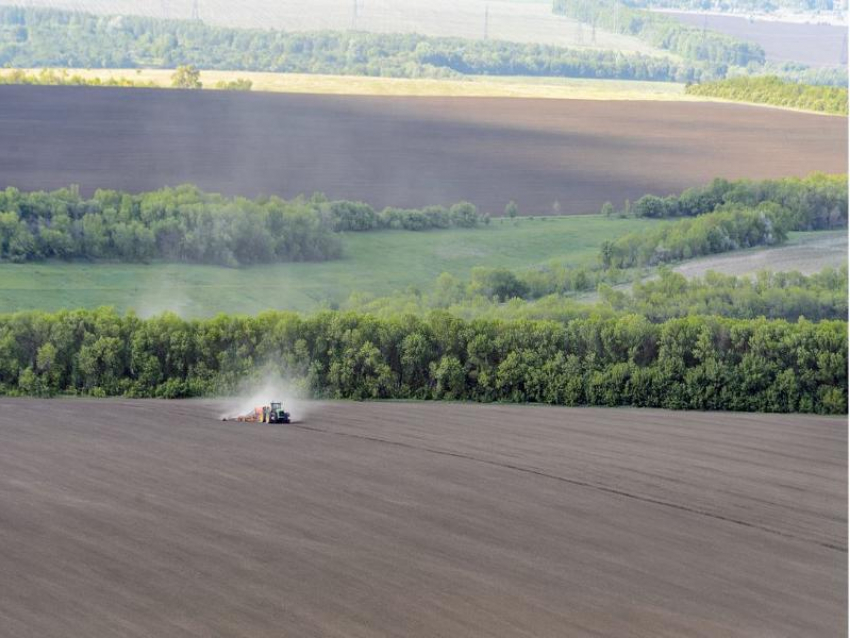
134 518
566 156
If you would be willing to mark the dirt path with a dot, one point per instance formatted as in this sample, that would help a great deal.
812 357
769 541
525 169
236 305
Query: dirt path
811 255
141 518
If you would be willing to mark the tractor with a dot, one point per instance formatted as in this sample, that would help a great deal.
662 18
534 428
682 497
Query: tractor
274 413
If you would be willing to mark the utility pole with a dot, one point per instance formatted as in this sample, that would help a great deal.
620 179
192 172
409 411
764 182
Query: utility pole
196 11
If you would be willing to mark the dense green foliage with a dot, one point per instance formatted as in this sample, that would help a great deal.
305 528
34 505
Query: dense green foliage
733 228
817 202
186 77
715 50
555 293
696 362
772 295
239 84
51 77
42 38
180 224
730 216
186 224
358 216
773 90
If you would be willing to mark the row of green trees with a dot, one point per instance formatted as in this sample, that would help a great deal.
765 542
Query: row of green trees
788 295
359 216
177 224
734 227
704 363
817 202
773 90
51 77
45 37
554 292
187 224
744 214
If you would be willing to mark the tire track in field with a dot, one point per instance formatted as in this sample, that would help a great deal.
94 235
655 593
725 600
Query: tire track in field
575 482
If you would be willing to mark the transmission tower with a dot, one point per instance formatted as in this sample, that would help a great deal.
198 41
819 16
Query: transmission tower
355 10
486 21
164 8
196 11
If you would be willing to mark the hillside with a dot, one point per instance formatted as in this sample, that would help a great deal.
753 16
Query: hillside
525 21
549 156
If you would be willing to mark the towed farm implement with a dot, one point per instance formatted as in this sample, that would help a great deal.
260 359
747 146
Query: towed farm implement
273 413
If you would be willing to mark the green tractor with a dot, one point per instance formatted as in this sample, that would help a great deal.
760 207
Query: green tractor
274 413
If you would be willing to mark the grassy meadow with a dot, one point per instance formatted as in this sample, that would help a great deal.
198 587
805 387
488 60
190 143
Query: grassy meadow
379 263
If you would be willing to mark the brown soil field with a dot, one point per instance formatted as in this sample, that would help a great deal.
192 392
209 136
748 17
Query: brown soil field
145 518
401 151
812 44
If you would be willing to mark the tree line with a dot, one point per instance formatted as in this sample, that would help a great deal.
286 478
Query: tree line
782 295
51 77
553 292
189 225
359 216
773 90
726 216
47 37
703 363
734 227
817 202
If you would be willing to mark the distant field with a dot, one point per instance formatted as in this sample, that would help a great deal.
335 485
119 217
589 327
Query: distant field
472 86
375 262
812 44
499 20
550 156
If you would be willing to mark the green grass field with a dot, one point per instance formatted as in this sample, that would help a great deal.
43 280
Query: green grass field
376 262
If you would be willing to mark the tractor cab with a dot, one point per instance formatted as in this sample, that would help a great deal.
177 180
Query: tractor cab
275 413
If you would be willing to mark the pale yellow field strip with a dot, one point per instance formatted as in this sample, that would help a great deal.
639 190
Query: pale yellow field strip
482 86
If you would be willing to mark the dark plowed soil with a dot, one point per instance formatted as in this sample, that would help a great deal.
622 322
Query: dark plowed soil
131 518
401 151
